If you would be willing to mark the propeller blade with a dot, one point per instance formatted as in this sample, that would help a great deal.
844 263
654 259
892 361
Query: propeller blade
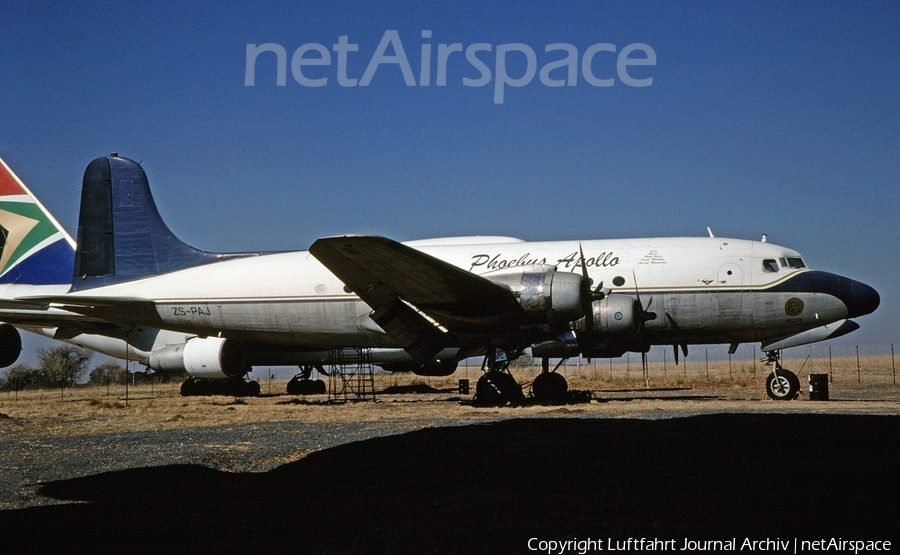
646 369
586 300
584 271
637 292
645 314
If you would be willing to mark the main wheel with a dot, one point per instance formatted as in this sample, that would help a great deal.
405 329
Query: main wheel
782 387
305 386
252 389
190 387
497 388
550 387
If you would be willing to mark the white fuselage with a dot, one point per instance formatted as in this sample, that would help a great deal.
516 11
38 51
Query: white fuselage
706 290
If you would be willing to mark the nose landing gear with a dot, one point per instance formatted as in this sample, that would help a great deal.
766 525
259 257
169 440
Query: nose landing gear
781 384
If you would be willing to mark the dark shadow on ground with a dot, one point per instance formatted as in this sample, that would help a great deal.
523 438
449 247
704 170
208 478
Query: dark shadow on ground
489 488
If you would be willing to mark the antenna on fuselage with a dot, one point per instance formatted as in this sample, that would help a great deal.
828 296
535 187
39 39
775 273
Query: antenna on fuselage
710 231
765 237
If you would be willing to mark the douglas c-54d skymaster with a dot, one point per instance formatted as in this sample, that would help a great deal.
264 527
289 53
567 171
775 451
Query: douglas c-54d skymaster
421 306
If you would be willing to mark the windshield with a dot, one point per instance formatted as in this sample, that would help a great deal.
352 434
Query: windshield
791 262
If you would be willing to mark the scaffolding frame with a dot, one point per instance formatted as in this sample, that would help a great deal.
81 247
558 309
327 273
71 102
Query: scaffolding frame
352 375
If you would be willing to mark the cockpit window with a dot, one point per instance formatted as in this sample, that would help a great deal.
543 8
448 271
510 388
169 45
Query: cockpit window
770 265
795 263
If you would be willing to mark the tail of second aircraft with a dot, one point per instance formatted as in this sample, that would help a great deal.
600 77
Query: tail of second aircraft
34 248
121 236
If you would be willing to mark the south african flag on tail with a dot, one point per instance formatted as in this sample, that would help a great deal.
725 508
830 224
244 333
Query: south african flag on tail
34 248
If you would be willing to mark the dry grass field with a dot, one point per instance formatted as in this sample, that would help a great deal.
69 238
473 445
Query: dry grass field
92 470
717 385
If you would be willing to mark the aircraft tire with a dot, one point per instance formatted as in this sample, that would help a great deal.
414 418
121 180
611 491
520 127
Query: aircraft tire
550 388
320 387
783 387
497 388
305 386
252 388
190 387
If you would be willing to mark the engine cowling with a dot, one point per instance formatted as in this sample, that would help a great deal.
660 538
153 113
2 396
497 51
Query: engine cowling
431 368
203 357
545 293
614 314
10 345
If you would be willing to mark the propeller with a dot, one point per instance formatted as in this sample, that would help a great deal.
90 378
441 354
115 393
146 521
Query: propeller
588 295
644 314
684 347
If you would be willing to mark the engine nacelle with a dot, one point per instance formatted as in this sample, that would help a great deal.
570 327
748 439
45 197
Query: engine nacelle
613 314
543 292
206 357
10 345
430 368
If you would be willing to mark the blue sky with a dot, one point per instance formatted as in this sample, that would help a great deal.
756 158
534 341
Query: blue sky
778 118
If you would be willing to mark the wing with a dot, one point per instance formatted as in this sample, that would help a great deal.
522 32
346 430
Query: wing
410 291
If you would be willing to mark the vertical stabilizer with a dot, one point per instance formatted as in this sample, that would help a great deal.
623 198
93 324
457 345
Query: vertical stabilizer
34 248
121 236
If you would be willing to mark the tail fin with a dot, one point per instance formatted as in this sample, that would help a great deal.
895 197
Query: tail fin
121 236
34 248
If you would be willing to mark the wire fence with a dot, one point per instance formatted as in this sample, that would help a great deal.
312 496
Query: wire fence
844 364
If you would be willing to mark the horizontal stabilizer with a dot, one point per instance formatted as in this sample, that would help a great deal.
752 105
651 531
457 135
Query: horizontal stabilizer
121 311
835 329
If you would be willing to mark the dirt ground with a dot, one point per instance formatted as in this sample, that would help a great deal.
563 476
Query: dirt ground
430 473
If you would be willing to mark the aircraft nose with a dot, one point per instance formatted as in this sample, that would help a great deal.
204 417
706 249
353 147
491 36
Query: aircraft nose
859 298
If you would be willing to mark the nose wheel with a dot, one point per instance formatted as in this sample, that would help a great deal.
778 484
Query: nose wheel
781 384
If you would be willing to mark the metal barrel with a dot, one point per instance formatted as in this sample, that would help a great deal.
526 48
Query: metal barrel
818 387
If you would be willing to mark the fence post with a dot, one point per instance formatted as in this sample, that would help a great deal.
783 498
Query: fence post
893 368
754 361
830 366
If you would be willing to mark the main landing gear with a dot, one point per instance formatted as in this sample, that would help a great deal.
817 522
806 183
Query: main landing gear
301 384
550 387
497 386
781 384
234 387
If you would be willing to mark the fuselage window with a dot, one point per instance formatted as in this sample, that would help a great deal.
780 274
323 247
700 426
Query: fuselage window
770 265
796 263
